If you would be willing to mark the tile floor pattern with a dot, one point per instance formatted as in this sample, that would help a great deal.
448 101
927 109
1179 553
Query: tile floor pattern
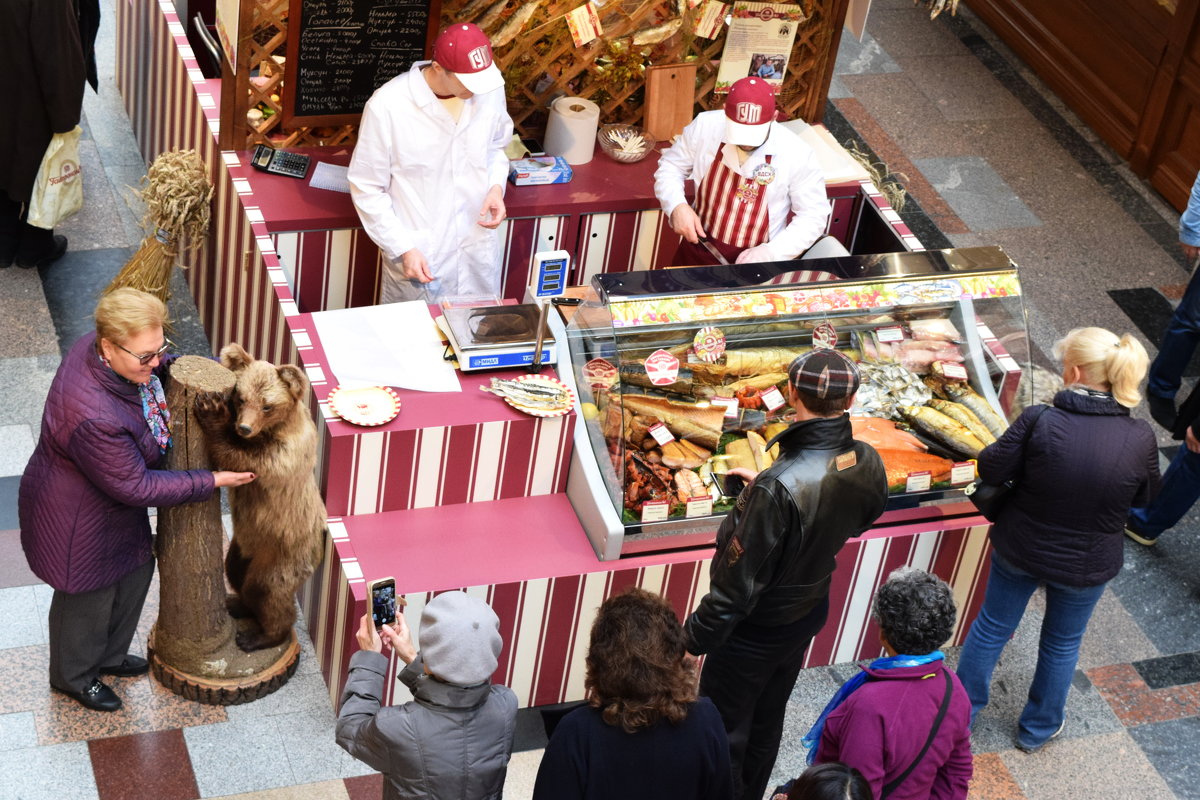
991 157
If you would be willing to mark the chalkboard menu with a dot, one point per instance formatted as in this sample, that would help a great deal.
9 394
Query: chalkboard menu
340 51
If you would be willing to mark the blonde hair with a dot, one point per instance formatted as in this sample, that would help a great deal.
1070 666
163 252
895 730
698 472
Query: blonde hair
126 312
1104 359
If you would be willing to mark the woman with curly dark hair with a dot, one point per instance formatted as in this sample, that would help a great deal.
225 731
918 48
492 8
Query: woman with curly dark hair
644 733
904 721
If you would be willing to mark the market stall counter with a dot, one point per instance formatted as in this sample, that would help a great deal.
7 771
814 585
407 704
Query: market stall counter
466 492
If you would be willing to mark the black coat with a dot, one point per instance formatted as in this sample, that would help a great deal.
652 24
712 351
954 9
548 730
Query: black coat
41 85
1085 464
777 550
588 759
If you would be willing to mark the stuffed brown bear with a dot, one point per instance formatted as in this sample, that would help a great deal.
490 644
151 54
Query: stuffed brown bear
264 427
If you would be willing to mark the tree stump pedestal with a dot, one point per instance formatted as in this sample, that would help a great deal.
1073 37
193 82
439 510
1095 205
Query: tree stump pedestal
193 648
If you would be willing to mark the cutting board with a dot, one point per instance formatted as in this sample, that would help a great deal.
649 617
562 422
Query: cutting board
670 95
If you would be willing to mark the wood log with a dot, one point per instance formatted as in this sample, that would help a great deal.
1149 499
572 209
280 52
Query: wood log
192 648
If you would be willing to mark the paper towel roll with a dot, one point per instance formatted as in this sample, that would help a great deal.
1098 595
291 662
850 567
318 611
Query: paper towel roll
571 129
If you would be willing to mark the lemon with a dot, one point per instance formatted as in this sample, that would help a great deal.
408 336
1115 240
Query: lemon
589 410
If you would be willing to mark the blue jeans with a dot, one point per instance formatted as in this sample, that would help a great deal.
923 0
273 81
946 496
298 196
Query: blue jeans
1178 343
1179 491
1068 609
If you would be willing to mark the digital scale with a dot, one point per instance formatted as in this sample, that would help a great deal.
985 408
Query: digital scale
499 337
494 337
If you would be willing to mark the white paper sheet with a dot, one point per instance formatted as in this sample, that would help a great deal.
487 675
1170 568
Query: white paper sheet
389 345
331 177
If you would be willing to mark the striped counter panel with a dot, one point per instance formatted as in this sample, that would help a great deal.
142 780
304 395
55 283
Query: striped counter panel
623 242
545 623
333 269
169 102
908 240
958 556
381 471
240 289
335 593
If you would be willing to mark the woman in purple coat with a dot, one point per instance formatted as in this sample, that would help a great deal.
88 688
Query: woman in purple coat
904 721
85 492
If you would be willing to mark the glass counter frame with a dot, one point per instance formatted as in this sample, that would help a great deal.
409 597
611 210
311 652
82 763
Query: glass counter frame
977 289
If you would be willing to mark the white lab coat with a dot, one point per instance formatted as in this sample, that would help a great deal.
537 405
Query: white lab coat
419 180
798 187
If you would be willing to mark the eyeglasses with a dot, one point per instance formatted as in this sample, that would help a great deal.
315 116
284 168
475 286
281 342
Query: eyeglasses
148 357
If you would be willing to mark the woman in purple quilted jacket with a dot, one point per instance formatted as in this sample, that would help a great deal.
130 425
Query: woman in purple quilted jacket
85 493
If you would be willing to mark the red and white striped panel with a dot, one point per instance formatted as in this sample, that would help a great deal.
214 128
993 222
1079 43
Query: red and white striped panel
907 238
169 102
957 556
623 242
331 269
239 287
1010 370
545 623
372 472
520 238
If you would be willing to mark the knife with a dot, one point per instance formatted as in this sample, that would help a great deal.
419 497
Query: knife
713 251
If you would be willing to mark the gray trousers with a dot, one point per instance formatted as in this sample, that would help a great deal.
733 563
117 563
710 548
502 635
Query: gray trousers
94 629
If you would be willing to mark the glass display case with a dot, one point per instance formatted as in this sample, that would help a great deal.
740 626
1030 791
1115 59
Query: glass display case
681 376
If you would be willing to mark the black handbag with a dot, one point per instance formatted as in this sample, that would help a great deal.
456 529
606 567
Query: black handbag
989 498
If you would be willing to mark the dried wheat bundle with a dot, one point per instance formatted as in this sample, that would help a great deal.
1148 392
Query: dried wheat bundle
177 194
890 184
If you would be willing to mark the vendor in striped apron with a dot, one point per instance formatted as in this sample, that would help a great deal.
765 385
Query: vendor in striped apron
760 193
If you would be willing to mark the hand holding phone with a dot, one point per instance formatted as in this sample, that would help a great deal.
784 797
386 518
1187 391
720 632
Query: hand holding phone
383 602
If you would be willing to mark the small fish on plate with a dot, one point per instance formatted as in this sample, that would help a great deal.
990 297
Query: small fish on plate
538 395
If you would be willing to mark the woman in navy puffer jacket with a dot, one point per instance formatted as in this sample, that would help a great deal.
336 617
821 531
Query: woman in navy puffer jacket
85 492
1085 463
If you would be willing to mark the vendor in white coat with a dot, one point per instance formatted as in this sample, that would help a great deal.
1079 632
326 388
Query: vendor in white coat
428 172
751 176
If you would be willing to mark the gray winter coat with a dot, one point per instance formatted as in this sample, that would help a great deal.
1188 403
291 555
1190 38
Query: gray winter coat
450 743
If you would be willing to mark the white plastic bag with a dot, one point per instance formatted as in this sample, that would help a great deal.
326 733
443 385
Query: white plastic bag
58 189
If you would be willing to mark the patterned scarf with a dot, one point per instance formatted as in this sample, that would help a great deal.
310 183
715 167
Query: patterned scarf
813 737
154 407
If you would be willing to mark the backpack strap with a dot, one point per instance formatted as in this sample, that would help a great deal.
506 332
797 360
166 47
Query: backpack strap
937 723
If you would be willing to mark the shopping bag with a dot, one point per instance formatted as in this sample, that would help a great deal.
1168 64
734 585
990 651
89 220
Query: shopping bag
58 189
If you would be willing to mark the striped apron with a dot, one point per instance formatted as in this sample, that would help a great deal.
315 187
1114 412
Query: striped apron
732 212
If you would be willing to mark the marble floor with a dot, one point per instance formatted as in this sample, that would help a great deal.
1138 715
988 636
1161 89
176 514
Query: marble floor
989 156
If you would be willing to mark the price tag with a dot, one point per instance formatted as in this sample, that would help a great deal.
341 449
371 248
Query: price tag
660 433
699 506
772 398
655 510
962 472
892 333
954 371
729 403
918 481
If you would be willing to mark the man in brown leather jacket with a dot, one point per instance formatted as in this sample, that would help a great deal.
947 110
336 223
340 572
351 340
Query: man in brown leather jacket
770 576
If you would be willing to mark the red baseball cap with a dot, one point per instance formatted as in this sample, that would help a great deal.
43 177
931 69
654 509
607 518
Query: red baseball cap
465 50
749 109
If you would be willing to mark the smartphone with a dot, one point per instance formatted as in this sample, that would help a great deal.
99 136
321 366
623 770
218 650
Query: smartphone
732 485
383 601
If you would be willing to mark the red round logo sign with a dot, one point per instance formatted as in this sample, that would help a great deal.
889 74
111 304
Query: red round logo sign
662 368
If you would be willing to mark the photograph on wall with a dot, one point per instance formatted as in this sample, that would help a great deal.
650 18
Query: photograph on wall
759 42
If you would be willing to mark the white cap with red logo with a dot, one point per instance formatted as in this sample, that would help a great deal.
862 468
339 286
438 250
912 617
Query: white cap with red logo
465 50
749 109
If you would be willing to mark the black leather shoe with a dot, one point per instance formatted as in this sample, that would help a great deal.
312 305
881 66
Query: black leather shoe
1162 410
132 665
97 697
49 257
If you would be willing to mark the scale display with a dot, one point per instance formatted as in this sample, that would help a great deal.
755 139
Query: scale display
549 275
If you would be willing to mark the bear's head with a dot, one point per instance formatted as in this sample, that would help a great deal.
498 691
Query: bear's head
265 395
